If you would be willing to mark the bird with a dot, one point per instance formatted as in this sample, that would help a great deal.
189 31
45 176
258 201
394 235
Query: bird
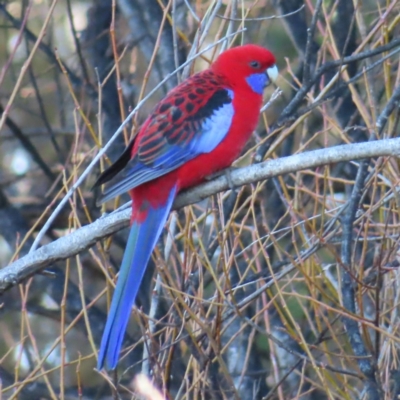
197 130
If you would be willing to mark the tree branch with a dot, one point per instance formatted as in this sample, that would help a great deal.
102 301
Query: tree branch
87 236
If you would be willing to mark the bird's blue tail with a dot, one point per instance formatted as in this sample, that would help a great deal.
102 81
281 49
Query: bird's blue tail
142 239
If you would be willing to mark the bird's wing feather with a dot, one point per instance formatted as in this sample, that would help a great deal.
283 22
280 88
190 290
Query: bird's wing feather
117 166
193 119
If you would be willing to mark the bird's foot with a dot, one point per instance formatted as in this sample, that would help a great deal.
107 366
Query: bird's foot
227 173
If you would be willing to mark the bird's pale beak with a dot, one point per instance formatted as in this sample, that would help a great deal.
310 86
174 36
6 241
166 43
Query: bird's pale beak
273 73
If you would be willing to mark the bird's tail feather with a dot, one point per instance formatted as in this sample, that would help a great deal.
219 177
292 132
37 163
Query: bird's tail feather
142 239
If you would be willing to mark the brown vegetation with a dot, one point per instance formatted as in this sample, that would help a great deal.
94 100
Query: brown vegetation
286 288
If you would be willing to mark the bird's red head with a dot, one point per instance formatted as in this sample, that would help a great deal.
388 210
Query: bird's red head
250 65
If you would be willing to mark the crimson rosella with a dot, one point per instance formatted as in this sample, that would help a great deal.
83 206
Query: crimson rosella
199 128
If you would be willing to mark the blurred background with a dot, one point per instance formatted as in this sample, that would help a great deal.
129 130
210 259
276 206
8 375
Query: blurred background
284 289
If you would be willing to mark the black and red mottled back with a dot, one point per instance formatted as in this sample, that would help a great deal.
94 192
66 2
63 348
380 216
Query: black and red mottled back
180 126
185 107
179 116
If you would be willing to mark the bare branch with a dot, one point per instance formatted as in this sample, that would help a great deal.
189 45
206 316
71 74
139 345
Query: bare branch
87 236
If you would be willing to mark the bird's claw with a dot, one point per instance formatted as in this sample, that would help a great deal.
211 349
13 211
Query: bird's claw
227 173
228 176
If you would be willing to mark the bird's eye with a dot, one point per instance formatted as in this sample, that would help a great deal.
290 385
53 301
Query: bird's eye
254 64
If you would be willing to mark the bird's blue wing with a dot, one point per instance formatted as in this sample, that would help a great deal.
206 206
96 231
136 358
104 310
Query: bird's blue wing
193 119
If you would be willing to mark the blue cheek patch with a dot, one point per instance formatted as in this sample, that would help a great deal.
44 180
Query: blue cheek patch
258 82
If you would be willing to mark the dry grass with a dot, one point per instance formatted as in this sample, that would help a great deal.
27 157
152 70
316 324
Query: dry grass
284 289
